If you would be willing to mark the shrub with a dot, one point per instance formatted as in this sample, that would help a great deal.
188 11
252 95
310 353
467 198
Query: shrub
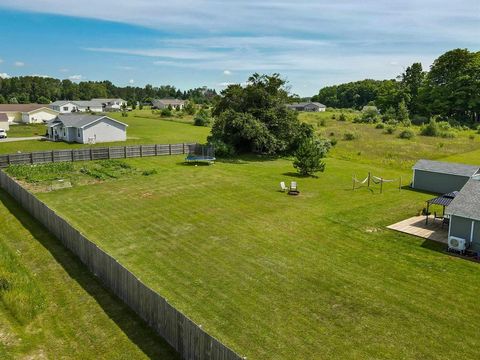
419 120
166 112
406 134
390 129
471 137
349 135
342 117
221 149
322 122
202 118
380 126
430 129
333 141
333 116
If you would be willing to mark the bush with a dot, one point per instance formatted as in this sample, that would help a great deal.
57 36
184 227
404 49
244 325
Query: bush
406 134
430 129
471 137
380 126
333 117
149 172
390 129
349 135
342 117
419 120
166 112
202 118
333 142
322 122
222 149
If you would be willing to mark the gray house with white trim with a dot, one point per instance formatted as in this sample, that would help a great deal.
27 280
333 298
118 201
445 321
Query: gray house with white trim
441 177
464 213
307 106
86 129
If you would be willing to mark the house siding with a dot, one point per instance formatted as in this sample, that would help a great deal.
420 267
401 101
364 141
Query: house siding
4 125
104 130
462 227
38 116
437 182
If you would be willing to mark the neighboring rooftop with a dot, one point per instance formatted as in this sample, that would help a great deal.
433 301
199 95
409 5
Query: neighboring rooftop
84 103
446 167
21 107
104 101
78 120
302 104
169 101
467 201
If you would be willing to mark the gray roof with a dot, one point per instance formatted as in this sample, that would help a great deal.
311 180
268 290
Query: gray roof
446 167
169 101
303 104
104 101
78 120
467 202
82 103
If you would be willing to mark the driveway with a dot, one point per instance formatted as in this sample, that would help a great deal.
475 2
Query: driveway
22 139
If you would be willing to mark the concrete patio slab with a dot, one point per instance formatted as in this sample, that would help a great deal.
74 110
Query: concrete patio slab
416 226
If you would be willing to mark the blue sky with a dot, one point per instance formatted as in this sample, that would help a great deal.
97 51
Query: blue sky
195 43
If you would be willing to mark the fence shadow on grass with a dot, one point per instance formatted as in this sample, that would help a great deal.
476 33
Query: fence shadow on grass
151 344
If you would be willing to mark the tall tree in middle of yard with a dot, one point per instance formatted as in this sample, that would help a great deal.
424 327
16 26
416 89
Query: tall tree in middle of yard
254 118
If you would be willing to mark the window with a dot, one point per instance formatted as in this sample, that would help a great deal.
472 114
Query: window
65 108
78 133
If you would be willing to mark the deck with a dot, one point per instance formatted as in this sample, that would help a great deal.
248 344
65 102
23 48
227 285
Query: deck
416 226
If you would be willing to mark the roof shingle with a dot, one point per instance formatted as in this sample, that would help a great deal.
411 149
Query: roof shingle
446 167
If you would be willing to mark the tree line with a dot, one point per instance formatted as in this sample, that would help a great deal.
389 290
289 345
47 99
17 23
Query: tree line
449 90
43 90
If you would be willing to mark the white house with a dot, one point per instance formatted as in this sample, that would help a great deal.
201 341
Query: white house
111 104
28 113
84 129
4 122
307 106
69 106
164 103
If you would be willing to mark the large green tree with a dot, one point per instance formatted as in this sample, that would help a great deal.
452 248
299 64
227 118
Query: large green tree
254 118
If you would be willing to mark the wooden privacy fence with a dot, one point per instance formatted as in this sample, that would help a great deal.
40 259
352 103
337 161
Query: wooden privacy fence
96 153
188 338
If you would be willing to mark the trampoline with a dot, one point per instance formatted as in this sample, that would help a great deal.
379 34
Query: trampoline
200 153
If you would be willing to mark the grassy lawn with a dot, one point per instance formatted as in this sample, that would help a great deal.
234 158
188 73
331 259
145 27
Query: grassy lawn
144 128
279 277
26 130
52 307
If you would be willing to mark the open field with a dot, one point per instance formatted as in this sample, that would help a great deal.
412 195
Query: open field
318 276
150 129
51 306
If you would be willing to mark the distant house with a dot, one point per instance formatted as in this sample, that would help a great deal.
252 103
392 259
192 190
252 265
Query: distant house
165 103
307 106
4 122
441 177
69 106
111 104
28 113
84 129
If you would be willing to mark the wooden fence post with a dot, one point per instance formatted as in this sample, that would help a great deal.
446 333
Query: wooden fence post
8 159
31 158
169 149
183 148
109 156
71 153
368 179
141 150
125 152
91 154
156 150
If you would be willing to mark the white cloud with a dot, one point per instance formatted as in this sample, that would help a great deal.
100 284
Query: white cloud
75 77
227 72
41 75
4 76
19 64
131 81
124 67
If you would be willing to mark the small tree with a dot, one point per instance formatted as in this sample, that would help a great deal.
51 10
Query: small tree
202 118
189 108
124 110
43 100
389 115
309 155
342 117
402 114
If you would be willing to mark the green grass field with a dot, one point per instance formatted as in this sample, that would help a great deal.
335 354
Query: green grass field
280 277
144 128
51 307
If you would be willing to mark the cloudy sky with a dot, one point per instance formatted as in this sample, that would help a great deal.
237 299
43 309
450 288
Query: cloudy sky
190 43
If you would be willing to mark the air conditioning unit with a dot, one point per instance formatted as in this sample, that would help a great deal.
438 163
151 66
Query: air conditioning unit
456 243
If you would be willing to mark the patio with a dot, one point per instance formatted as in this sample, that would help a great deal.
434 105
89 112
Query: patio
418 227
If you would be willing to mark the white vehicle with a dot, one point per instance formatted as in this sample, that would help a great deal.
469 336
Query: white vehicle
3 134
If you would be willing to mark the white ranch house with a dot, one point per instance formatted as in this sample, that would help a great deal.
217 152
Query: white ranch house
27 113
4 125
111 104
68 106
307 106
85 129
165 103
